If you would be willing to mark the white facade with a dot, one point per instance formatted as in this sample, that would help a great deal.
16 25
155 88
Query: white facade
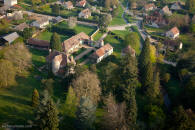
171 35
10 2
40 25
105 55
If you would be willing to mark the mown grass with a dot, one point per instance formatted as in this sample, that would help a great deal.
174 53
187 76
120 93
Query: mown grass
118 20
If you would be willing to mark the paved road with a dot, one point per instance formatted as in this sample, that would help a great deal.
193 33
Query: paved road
120 27
51 17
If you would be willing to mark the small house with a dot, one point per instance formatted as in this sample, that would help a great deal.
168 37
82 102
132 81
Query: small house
173 33
86 13
165 11
10 2
57 19
81 3
102 53
175 6
41 23
149 7
73 43
173 45
68 5
8 39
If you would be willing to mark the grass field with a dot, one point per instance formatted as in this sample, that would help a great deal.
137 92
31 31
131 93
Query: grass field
46 35
97 36
118 20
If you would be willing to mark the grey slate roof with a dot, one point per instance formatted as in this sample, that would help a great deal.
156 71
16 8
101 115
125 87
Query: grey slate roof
11 37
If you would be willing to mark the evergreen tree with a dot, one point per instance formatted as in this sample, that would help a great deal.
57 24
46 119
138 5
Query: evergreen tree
129 78
154 89
35 98
47 114
144 57
147 76
55 43
85 114
71 102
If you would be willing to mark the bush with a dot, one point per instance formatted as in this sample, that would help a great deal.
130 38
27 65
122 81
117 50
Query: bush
63 31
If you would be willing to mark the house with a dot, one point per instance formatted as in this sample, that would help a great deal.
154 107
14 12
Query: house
8 39
10 2
128 50
102 53
39 44
81 3
165 11
175 6
71 44
41 23
149 7
3 10
57 19
21 27
173 45
173 33
86 13
59 61
155 19
68 5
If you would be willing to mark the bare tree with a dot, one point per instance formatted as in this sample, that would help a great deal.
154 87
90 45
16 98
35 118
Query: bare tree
114 119
87 85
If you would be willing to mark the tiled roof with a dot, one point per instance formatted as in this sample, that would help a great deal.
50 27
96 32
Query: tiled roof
175 30
86 11
68 3
101 51
21 26
37 42
74 40
147 6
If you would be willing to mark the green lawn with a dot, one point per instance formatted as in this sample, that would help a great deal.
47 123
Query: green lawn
98 36
118 20
117 44
15 101
122 34
46 35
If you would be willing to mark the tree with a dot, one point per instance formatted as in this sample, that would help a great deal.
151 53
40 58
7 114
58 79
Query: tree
192 28
87 84
180 120
144 57
56 9
47 114
55 43
85 114
19 55
166 77
107 4
8 73
115 12
155 117
114 118
190 4
133 40
189 93
35 98
147 76
129 82
153 90
104 21
34 2
71 102
4 26
153 53
48 85
27 33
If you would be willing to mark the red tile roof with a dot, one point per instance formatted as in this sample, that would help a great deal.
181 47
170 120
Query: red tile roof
175 30
101 51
